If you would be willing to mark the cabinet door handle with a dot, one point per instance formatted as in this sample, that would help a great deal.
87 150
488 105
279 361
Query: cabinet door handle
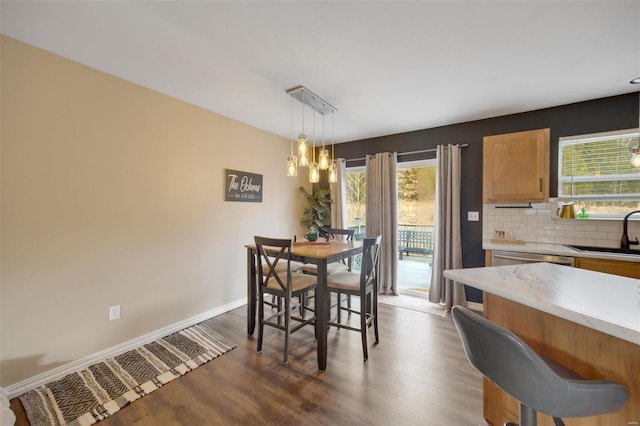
540 184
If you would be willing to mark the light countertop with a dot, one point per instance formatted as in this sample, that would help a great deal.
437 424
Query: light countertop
603 302
558 250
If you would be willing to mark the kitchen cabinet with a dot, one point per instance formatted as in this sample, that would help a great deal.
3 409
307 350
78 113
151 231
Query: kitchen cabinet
615 267
516 167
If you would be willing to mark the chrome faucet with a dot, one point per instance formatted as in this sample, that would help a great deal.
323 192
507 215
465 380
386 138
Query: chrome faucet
625 243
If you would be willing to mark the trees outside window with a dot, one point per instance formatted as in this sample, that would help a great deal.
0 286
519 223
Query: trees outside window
356 197
416 195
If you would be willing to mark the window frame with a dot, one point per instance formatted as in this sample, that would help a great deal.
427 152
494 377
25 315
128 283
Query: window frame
595 137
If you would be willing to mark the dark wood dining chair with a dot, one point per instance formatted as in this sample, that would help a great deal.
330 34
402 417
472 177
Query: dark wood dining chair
332 234
365 286
342 266
282 283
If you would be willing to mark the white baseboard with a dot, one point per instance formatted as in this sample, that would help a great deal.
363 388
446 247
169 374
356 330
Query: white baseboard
31 383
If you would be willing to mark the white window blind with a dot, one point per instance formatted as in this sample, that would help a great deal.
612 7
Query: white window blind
598 167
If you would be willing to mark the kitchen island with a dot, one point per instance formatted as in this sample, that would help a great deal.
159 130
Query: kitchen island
587 321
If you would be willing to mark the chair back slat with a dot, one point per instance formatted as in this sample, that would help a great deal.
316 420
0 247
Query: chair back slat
339 234
334 233
271 261
370 263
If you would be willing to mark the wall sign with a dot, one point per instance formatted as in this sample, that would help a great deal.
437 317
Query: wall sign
242 186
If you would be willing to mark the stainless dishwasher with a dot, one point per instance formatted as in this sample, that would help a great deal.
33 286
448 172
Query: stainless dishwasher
500 258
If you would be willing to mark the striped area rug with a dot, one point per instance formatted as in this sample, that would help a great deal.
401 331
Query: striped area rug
89 395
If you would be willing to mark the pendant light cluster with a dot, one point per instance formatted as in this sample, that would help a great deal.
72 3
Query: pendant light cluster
325 162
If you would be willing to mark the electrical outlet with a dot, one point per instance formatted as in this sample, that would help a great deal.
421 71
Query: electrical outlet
114 312
473 216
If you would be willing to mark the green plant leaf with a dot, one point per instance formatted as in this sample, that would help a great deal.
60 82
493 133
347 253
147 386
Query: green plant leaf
318 208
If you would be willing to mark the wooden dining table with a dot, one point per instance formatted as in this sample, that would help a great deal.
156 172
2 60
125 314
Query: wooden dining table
320 253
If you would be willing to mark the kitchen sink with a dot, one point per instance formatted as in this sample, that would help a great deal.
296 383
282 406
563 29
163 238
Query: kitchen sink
606 250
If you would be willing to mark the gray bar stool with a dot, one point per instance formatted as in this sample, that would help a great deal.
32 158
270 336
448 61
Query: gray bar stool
539 384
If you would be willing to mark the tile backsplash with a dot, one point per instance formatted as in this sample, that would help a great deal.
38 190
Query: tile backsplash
540 224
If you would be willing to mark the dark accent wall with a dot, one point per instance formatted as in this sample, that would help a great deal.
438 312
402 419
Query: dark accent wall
598 115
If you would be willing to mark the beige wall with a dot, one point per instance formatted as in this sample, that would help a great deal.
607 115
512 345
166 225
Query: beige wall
112 194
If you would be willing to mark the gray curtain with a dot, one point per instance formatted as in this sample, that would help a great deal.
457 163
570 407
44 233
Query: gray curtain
382 217
339 197
447 253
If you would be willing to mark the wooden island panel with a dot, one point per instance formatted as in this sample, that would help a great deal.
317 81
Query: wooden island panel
615 267
589 353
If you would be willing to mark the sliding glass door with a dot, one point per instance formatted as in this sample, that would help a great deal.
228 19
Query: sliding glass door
416 210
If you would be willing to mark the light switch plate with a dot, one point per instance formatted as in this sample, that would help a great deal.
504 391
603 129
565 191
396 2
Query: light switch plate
473 216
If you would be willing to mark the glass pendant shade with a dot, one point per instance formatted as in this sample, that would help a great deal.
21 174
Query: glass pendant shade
635 157
323 159
303 160
292 165
302 142
314 172
303 150
333 172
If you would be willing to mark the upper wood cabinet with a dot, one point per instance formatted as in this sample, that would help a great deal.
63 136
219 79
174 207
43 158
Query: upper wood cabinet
516 167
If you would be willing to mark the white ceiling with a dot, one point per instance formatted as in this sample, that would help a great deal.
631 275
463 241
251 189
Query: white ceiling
387 66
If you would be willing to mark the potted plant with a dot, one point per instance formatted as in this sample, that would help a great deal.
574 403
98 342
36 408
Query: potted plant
317 214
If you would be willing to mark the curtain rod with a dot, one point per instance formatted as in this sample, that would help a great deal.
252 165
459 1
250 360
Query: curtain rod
464 145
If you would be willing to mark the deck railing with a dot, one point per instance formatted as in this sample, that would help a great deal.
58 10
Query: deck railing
412 238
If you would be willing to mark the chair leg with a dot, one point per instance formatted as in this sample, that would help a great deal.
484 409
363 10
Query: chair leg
287 326
279 309
339 305
260 323
528 416
368 297
287 318
363 326
302 304
374 309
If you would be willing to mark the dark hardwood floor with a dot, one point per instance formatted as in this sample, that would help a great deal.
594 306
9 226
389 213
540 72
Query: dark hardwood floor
417 375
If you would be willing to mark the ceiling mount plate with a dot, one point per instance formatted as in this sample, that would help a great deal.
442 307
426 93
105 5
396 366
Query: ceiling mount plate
307 97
